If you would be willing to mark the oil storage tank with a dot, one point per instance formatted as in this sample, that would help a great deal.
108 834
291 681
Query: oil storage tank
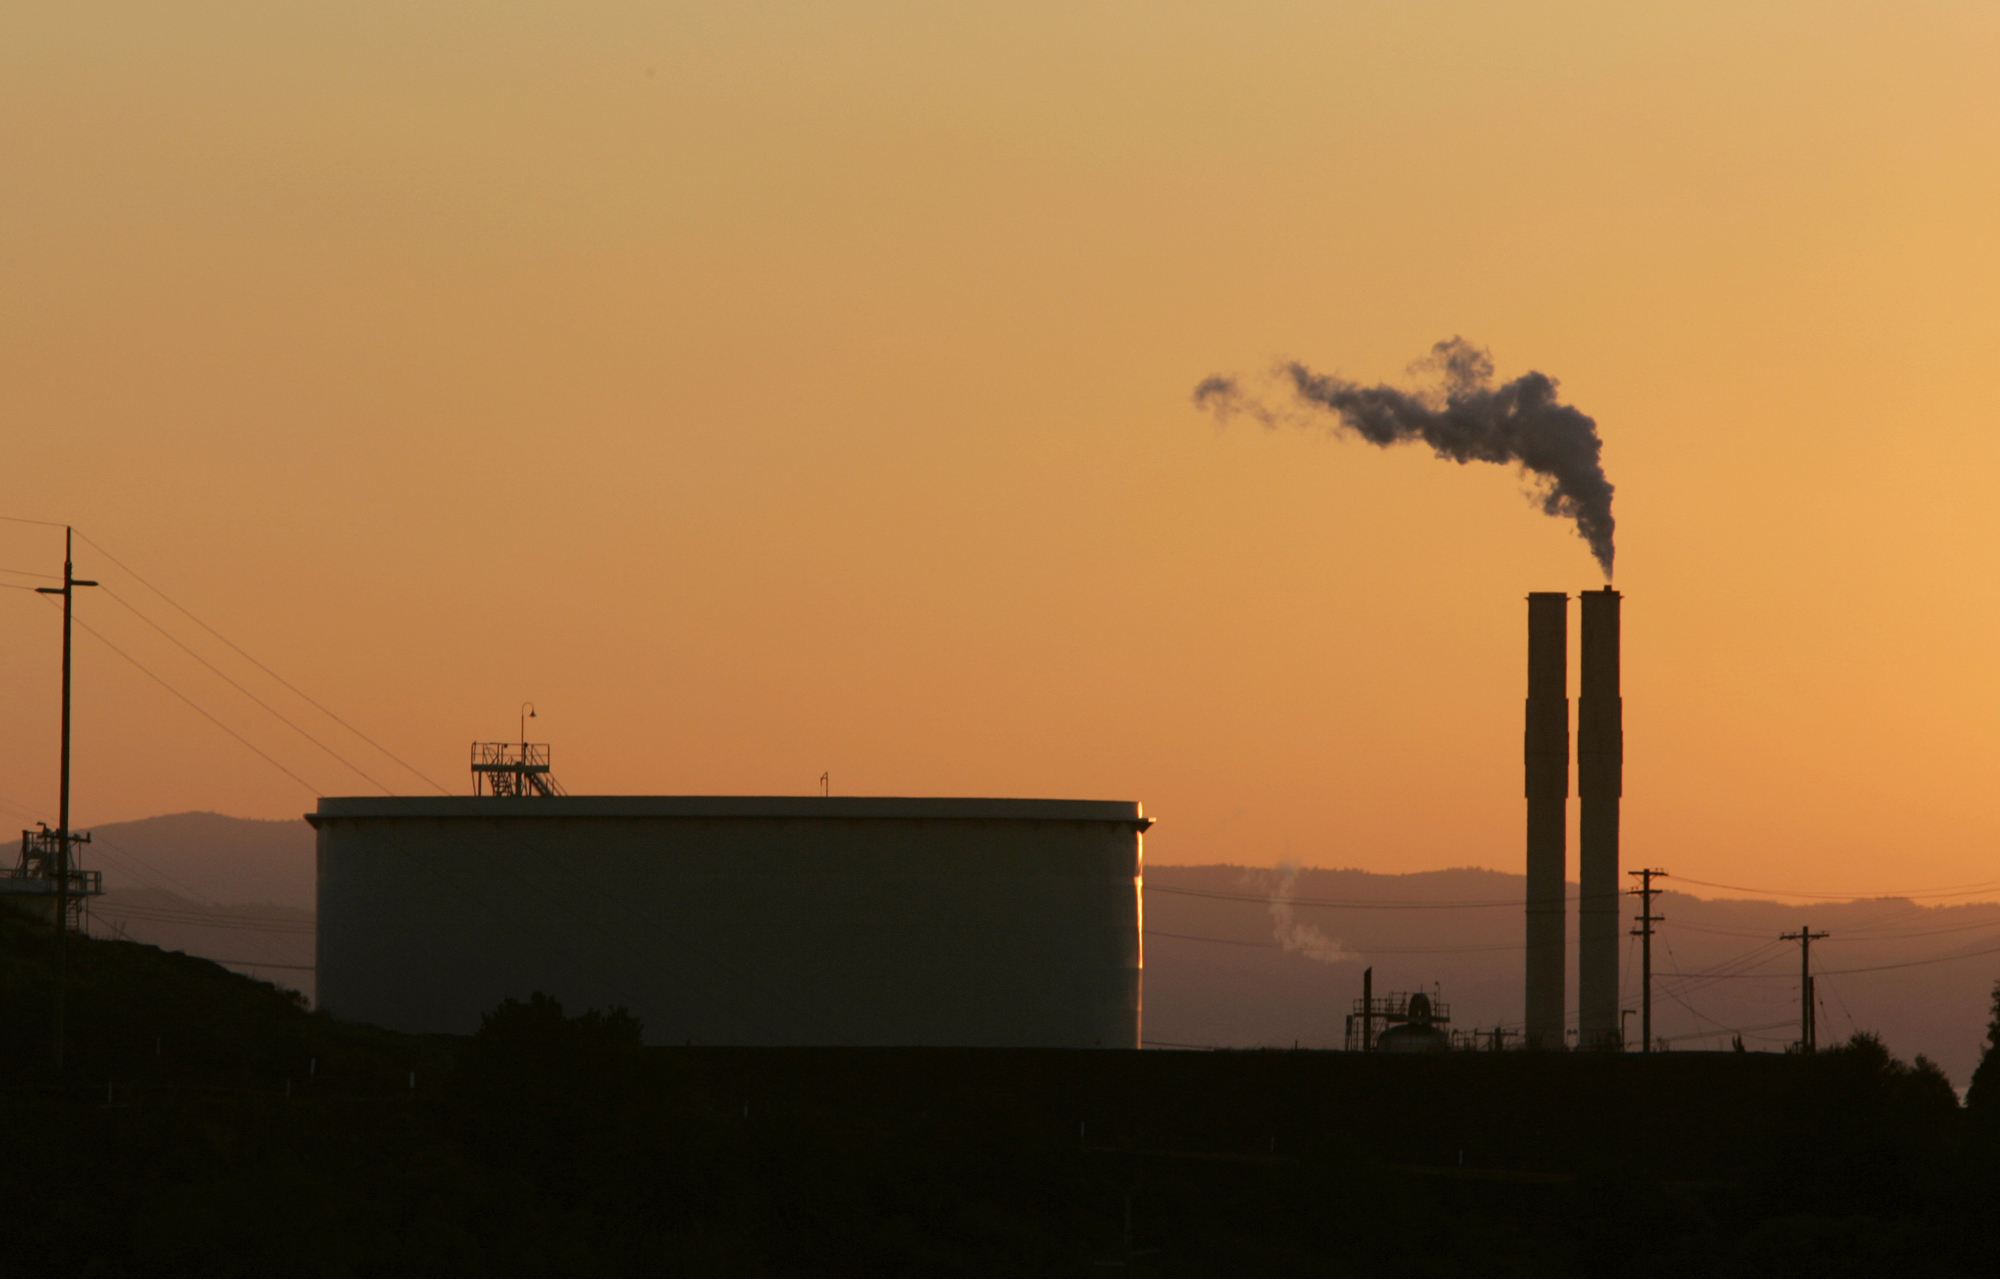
740 920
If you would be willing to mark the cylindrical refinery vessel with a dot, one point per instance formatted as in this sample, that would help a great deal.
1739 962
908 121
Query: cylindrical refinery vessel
741 920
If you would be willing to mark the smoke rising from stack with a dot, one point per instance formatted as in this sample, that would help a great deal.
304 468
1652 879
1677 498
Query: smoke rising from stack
1296 937
1462 416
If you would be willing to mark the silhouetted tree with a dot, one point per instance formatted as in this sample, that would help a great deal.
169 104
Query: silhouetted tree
1982 1096
534 1040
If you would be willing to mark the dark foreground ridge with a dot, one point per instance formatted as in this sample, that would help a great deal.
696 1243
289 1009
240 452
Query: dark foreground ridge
210 1125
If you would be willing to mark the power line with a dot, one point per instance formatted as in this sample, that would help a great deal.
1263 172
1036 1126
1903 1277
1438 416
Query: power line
122 603
514 835
1711 1034
1699 1015
1872 968
1914 963
196 919
1923 932
1859 932
1958 890
1342 905
1717 932
1357 950
1715 973
191 702
1852 1026
260 666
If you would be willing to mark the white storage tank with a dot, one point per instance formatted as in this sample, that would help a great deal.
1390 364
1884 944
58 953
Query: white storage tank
740 920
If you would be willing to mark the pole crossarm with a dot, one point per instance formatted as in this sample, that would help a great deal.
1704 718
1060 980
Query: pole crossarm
1644 932
1808 1027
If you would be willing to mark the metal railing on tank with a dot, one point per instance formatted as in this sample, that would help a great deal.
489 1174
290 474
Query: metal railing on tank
513 769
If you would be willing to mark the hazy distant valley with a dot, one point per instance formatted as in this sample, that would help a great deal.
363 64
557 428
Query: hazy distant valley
1227 972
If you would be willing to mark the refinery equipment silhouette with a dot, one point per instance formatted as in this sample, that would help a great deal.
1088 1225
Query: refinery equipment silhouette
1168 1161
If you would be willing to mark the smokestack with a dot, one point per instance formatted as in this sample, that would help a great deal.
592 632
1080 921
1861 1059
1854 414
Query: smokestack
1600 781
1547 762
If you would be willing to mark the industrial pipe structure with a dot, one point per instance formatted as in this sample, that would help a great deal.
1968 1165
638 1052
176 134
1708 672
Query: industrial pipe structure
1600 769
1547 766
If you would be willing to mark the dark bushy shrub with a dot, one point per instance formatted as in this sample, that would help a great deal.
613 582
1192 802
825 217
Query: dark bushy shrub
534 1043
1982 1097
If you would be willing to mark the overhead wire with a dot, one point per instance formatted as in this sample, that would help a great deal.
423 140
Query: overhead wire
1914 963
1267 899
1714 1034
1848 935
295 777
1853 1026
1870 968
1957 890
1857 932
1357 951
1676 996
275 713
192 704
1736 966
148 672
198 919
245 655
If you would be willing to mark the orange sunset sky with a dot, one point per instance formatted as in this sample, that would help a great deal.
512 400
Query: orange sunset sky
774 389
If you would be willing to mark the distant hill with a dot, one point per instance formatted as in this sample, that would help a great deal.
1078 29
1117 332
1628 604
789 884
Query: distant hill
1219 970
1228 966
231 889
209 858
270 943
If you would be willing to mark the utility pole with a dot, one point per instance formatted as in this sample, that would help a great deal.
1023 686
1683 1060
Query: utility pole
1808 1032
1644 932
67 590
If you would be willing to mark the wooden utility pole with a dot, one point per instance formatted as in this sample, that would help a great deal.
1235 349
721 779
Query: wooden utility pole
1644 932
1808 1031
61 867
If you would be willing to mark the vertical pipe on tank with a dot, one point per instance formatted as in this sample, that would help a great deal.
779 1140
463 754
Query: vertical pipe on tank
1600 769
1547 766
1368 1009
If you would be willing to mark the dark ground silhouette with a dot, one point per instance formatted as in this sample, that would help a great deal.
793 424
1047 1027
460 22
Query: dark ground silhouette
209 1125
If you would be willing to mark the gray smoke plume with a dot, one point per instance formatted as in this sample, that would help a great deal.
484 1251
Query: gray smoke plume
1464 417
1303 939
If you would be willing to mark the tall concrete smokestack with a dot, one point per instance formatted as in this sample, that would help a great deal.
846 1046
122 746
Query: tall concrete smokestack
1600 781
1547 760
